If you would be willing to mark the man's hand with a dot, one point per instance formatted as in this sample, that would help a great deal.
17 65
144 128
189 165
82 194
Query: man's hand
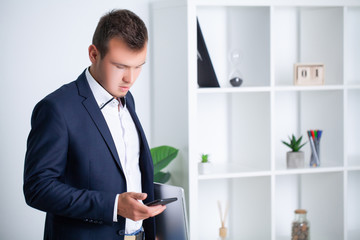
130 207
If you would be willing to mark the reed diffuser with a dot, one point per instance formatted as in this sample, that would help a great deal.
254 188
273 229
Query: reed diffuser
223 229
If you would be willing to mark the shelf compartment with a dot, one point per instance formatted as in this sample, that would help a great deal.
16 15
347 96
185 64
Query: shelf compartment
301 34
248 31
297 113
249 207
353 207
250 130
325 207
353 128
352 46
224 130
210 192
251 201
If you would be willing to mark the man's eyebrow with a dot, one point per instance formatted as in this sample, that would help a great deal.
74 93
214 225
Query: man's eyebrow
127 66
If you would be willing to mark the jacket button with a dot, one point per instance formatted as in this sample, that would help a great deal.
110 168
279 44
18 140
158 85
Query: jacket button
121 232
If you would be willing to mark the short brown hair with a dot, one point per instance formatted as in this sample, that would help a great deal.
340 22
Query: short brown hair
122 24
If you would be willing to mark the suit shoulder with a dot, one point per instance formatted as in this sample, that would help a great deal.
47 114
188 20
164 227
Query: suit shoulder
62 93
57 98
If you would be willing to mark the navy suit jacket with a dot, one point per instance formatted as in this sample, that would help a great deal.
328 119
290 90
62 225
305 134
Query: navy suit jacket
72 169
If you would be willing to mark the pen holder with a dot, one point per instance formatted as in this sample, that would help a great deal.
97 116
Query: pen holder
315 162
314 139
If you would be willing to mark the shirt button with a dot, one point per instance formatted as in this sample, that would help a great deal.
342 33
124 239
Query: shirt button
121 232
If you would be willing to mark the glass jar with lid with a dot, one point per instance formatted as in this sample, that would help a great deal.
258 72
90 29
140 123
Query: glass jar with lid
300 226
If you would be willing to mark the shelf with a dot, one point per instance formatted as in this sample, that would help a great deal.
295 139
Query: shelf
353 87
291 88
241 128
309 170
353 168
308 88
231 170
232 90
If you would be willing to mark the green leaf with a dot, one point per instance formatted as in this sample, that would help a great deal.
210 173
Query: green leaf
301 146
162 177
287 144
298 141
293 143
162 156
204 158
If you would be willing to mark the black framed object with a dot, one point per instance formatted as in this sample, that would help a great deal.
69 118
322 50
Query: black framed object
206 73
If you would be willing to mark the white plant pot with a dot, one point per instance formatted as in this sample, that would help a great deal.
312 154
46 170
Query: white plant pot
205 168
295 159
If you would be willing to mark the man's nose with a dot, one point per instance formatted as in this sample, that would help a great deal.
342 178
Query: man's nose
129 75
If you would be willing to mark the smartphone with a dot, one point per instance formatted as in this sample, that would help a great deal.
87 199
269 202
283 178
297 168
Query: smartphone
161 201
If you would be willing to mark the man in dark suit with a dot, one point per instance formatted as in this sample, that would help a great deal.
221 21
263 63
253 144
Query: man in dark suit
88 164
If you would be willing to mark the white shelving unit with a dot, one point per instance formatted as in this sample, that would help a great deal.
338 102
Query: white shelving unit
242 128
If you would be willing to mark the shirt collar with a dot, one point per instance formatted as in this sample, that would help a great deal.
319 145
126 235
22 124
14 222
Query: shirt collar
102 97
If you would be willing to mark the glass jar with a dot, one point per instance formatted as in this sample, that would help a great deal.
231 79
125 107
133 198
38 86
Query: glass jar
300 226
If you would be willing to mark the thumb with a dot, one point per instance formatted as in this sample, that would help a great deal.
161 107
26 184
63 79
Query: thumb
139 196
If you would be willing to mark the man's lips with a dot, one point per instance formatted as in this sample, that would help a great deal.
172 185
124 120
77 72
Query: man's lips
124 88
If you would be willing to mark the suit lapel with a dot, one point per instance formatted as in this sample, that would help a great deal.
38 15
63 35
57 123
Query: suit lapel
145 160
96 115
130 106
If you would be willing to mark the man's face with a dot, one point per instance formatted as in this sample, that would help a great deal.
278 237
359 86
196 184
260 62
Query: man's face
118 70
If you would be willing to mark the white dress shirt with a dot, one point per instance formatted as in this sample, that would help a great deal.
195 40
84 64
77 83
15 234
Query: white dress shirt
126 139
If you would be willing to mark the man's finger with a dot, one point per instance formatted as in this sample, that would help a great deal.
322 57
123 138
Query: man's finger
139 196
156 210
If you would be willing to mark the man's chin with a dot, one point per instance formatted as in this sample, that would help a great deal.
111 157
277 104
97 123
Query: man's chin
121 94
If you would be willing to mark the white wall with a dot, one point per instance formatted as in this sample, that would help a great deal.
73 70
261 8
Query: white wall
43 45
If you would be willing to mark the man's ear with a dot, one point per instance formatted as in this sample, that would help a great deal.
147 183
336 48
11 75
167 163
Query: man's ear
94 54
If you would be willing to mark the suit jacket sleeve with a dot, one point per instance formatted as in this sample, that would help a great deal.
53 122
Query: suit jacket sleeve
44 173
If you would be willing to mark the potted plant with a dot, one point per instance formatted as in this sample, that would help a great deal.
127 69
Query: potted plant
294 158
204 165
